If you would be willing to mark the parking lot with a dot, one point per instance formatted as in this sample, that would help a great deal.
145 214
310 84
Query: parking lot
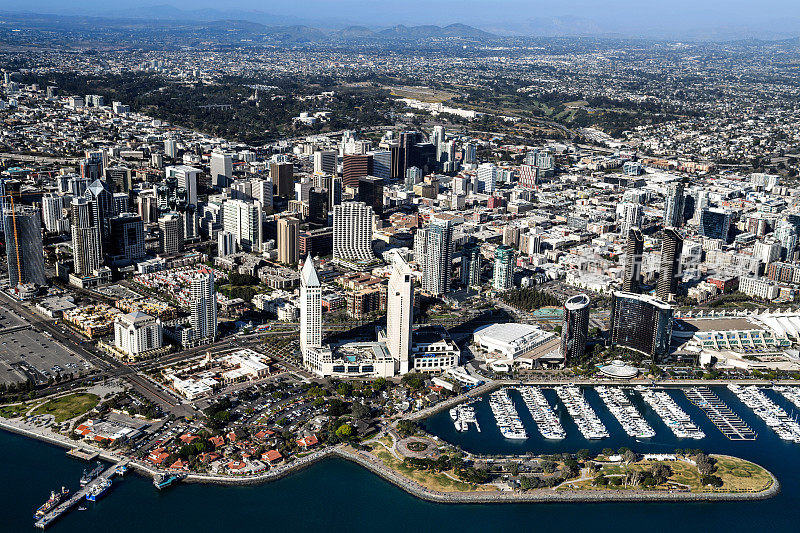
31 354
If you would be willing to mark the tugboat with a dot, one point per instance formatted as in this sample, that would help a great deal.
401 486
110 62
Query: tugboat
98 491
87 477
162 481
49 505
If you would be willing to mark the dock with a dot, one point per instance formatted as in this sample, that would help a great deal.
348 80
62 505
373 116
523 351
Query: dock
77 497
86 455
728 422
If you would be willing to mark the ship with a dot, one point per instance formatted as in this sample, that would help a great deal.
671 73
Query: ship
162 481
99 489
49 505
87 477
120 471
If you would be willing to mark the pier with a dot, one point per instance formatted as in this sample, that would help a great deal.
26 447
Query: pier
77 497
728 422
86 455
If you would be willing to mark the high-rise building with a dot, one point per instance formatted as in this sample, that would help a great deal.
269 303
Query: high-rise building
354 167
336 191
325 162
53 214
119 202
186 178
310 308
171 234
221 169
381 164
370 191
439 257
400 313
786 235
137 333
641 323
511 236
243 220
171 148
203 306
715 223
119 179
503 278
91 168
421 246
674 206
226 243
630 215
352 232
634 248
669 275
487 178
127 236
102 201
24 249
288 240
87 248
282 175
470 153
575 328
471 264
318 206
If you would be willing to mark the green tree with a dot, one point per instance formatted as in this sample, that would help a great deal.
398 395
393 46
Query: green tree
345 432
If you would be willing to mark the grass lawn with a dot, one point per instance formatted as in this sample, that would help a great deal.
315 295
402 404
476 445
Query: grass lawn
437 481
14 411
69 406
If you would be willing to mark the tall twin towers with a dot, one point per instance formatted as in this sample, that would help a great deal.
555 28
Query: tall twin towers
399 314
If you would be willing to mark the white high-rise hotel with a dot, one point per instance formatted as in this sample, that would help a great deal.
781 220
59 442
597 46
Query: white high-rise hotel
439 257
352 232
310 309
400 313
203 306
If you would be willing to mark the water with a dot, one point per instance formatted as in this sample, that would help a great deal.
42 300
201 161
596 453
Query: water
335 495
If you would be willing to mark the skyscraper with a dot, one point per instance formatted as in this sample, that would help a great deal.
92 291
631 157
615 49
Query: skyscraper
674 205
487 178
318 206
86 242
715 223
355 166
503 278
669 275
186 178
53 213
630 215
171 234
575 328
786 235
370 191
310 308
282 175
352 232
119 179
471 264
24 249
102 201
438 260
641 323
634 248
243 220
288 240
400 313
127 236
325 162
221 169
203 306
226 244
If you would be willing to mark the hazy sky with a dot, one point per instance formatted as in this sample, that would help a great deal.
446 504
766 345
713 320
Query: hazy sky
673 13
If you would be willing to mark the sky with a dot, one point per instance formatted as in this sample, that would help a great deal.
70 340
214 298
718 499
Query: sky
608 14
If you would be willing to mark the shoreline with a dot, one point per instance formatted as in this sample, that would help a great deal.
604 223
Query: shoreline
413 488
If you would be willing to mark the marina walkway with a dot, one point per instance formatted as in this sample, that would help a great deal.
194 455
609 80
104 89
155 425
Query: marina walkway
728 422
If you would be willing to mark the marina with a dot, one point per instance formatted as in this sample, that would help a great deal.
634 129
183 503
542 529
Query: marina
463 415
92 490
508 421
728 422
775 416
582 413
625 412
790 393
673 416
542 413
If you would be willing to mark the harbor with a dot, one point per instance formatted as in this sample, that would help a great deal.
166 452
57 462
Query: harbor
772 414
790 393
463 416
729 423
94 485
625 412
542 413
590 426
506 416
673 416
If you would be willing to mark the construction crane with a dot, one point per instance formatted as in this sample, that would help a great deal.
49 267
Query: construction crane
3 197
